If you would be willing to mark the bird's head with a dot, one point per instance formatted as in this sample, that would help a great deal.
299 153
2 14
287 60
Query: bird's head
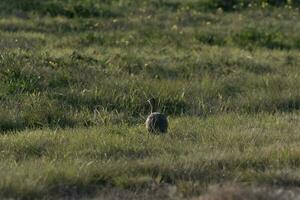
151 101
153 104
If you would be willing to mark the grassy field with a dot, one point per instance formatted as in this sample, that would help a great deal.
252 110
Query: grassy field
75 77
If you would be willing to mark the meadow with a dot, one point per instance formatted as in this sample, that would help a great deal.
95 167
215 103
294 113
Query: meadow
75 77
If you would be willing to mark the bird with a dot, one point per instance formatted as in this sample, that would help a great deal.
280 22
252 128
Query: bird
156 122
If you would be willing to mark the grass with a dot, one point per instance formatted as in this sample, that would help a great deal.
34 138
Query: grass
75 76
194 154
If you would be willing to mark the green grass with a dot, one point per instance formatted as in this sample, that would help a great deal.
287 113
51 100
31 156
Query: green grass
75 77
259 149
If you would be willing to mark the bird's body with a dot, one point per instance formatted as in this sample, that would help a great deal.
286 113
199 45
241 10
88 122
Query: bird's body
156 122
